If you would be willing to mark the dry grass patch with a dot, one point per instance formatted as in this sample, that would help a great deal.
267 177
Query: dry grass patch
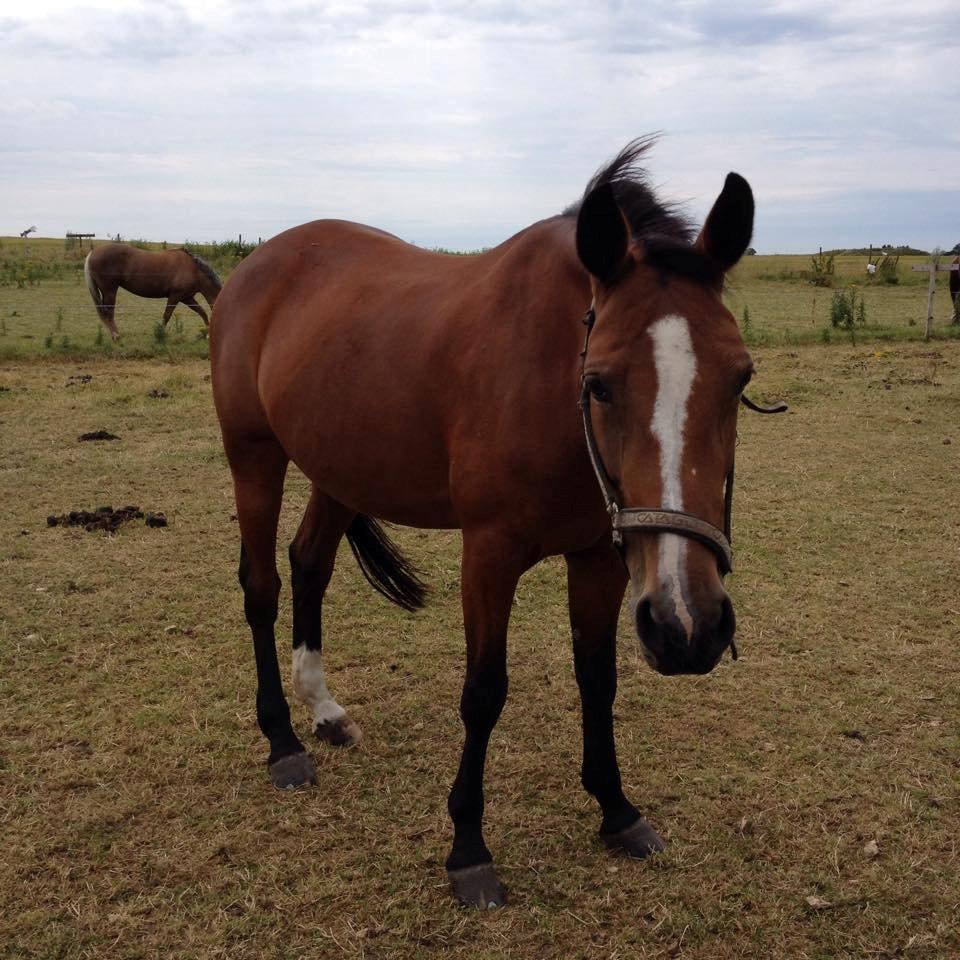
138 819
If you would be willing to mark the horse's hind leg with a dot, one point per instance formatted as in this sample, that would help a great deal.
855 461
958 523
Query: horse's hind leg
259 467
196 308
312 556
106 308
172 302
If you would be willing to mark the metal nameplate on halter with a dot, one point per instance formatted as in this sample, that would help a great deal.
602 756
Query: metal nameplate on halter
672 521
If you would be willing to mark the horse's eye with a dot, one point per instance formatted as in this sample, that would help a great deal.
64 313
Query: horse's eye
598 389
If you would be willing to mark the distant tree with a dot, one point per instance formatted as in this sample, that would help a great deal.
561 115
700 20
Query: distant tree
751 252
956 248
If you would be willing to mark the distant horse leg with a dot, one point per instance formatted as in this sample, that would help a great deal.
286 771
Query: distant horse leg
491 569
196 308
596 582
106 308
171 306
258 472
312 556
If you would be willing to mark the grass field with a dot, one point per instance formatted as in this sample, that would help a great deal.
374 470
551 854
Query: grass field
45 309
137 816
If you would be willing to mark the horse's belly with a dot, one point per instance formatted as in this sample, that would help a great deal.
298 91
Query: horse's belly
376 451
388 488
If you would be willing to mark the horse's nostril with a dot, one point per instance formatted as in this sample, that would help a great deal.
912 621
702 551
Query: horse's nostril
646 624
727 626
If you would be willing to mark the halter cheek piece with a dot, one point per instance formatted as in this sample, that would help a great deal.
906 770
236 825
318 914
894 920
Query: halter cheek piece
630 519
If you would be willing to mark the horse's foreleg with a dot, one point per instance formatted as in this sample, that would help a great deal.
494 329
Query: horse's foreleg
312 556
196 308
258 472
168 311
596 581
491 569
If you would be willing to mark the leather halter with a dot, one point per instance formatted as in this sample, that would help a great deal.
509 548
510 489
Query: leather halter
659 519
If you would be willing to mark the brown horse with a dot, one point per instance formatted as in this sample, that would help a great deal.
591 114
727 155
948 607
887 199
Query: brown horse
175 275
442 391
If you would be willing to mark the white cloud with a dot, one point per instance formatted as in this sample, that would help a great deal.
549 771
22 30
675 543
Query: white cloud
457 123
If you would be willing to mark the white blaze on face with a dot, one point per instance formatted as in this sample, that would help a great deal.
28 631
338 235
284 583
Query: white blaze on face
676 368
310 684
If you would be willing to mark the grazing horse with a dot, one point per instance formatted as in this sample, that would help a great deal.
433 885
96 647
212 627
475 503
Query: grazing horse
442 391
176 275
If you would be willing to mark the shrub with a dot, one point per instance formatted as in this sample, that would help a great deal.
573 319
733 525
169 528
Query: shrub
822 264
160 332
887 270
848 310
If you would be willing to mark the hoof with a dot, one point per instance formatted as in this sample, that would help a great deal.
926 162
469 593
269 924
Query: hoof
638 840
478 886
342 732
292 771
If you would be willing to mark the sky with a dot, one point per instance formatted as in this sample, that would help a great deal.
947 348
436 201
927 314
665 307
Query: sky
457 124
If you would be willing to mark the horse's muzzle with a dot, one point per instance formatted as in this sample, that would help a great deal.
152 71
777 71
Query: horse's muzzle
670 650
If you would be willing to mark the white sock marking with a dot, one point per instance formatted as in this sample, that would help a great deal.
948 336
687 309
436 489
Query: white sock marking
310 684
676 367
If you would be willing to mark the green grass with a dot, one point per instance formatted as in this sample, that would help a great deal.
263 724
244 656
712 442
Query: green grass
785 308
136 812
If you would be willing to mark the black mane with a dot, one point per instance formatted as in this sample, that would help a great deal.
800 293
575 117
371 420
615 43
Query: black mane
205 268
665 233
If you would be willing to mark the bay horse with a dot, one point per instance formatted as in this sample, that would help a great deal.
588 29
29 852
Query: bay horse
441 391
174 275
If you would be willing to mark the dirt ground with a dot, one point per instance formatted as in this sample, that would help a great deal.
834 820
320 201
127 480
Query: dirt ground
809 792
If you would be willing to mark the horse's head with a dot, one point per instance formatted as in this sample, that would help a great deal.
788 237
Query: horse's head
664 371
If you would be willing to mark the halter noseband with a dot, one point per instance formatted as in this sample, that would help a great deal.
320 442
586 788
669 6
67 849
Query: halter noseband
659 519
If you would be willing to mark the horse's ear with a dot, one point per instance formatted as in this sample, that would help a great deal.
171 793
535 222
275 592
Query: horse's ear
729 225
602 236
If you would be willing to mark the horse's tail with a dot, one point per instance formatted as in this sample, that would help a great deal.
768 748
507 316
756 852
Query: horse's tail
92 284
384 566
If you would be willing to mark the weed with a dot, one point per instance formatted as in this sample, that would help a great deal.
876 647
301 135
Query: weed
887 270
823 269
848 311
159 333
